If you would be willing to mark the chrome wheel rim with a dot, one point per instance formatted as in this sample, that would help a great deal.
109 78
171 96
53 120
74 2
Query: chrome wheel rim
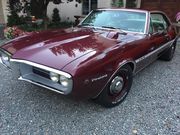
116 85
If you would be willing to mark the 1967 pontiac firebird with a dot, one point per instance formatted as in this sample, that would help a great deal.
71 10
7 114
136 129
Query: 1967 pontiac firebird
98 58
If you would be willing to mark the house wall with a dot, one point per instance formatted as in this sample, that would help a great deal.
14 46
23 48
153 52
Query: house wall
67 11
3 11
170 7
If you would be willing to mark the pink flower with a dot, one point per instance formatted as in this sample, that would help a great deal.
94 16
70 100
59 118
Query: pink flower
12 32
178 16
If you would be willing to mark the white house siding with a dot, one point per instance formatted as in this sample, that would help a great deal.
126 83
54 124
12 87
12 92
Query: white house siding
67 11
4 11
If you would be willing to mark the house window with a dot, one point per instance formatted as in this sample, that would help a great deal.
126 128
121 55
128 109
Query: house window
133 3
89 5
127 3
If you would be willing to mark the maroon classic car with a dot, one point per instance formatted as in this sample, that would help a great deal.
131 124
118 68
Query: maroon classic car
98 58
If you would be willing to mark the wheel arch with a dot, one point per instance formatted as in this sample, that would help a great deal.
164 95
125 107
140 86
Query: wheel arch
131 63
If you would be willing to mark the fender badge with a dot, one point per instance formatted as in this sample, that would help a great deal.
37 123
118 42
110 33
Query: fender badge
99 78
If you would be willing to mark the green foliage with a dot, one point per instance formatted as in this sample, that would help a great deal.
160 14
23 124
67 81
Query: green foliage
14 19
56 17
30 28
14 8
117 3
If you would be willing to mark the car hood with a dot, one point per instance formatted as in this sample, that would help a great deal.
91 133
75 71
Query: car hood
57 48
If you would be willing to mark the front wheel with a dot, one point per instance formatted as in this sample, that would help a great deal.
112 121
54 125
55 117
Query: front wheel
118 88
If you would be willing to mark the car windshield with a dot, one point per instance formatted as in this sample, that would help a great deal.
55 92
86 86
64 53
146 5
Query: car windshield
123 20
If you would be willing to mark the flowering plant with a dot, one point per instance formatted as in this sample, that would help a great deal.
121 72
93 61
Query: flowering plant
12 32
178 17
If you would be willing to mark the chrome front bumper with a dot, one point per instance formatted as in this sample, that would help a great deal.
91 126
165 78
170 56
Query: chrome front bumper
25 69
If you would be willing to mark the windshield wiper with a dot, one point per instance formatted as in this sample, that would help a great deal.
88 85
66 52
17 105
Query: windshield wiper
117 29
109 27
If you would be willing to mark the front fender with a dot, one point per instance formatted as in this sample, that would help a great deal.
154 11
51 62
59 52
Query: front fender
91 76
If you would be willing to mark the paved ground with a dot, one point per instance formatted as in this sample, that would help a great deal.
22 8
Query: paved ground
151 108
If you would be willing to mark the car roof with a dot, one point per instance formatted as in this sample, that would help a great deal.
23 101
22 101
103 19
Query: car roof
133 10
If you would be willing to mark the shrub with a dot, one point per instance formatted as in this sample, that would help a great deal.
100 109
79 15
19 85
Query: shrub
56 17
14 7
14 19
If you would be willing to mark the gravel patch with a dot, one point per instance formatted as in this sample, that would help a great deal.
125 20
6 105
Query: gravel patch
151 108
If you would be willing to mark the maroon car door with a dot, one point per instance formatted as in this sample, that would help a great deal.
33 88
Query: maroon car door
155 41
159 34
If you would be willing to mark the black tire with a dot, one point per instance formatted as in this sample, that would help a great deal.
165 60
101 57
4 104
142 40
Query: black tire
169 54
117 89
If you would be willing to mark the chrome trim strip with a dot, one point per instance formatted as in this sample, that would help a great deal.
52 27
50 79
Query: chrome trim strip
155 51
6 52
85 18
41 85
146 23
42 67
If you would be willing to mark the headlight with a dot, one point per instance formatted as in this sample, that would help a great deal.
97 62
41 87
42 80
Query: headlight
54 77
64 81
5 59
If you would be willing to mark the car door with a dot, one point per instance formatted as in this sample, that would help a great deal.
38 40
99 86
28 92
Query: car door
157 37
158 33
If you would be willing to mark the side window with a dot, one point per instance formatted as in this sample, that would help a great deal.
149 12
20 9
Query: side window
159 22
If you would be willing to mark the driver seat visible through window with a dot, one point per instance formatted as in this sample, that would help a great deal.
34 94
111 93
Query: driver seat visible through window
158 23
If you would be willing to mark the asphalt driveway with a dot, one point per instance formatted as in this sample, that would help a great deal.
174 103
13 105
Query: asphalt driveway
151 108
